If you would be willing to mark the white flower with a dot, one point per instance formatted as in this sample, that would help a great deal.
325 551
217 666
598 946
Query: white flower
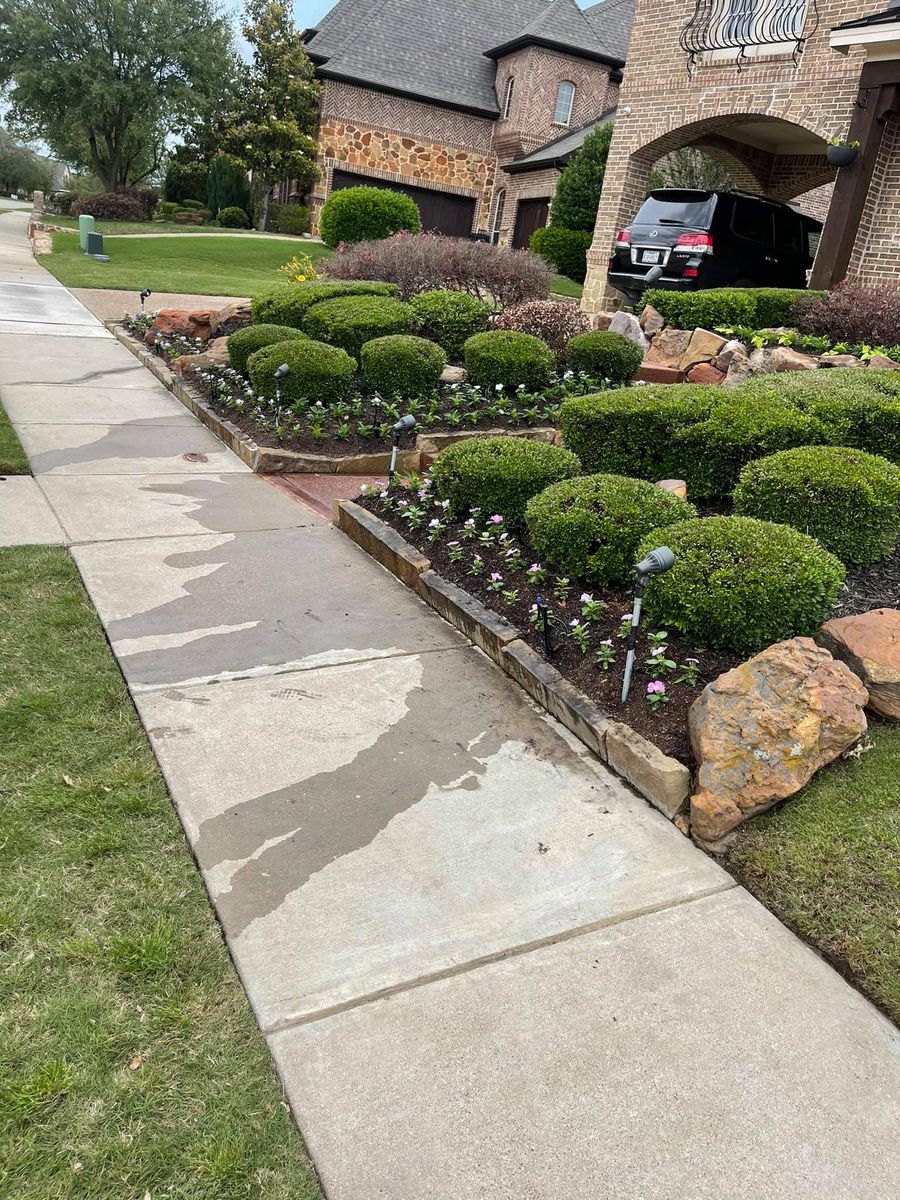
498 387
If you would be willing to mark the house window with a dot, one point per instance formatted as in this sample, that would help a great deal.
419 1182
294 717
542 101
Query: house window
499 205
565 98
507 99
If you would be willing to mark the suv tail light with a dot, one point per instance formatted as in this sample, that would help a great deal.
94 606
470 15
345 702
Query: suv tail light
697 243
623 239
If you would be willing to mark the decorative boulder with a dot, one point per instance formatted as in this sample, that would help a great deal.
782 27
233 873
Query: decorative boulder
881 363
838 360
869 643
703 347
215 354
705 373
761 731
180 322
786 359
652 322
628 326
730 351
600 320
668 348
451 374
228 320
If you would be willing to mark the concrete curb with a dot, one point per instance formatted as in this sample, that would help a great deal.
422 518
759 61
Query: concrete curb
662 780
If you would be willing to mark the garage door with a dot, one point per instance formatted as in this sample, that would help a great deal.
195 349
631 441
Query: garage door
440 211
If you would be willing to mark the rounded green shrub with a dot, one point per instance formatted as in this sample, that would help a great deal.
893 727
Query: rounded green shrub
449 318
630 431
704 309
351 321
713 452
740 583
846 498
245 342
361 214
499 474
605 355
564 249
502 357
402 365
233 218
288 305
592 525
317 372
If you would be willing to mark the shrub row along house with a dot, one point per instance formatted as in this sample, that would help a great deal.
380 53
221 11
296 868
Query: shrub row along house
471 108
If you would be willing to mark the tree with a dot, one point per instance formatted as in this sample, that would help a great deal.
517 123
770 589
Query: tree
577 195
185 181
227 185
273 128
105 82
20 168
690 168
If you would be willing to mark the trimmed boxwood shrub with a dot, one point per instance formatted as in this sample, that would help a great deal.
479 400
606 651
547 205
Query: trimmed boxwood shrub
592 525
245 342
564 249
402 365
503 357
706 309
288 305
777 306
846 498
605 355
317 372
351 321
357 214
233 218
631 431
499 474
713 452
449 318
741 583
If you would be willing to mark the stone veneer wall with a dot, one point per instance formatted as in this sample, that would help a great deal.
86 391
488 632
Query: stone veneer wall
662 108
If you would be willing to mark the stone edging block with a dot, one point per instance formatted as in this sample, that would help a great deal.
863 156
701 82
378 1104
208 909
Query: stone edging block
662 780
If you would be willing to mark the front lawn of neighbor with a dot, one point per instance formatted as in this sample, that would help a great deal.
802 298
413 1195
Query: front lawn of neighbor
203 265
563 286
130 1064
828 863
116 227
12 456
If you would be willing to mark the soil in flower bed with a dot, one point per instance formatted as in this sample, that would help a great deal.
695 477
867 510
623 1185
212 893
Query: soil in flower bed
666 725
875 586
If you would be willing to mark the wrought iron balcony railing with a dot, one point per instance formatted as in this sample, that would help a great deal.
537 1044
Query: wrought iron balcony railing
741 24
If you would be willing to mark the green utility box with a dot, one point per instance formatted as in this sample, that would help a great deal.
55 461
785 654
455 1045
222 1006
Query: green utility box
85 226
95 246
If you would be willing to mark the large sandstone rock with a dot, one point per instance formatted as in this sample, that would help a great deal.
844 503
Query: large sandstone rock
869 643
228 320
703 347
215 354
600 320
668 348
881 363
179 321
785 359
730 351
761 731
705 373
627 325
838 360
652 322
451 374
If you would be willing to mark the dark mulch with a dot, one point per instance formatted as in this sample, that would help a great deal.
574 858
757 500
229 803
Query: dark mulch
876 586
667 726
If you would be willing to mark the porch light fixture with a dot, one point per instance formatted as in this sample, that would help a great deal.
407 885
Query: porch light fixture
404 425
656 563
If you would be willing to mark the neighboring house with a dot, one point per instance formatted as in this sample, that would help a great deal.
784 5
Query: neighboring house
472 107
762 85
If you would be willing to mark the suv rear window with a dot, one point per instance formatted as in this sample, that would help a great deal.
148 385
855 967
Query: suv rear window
677 208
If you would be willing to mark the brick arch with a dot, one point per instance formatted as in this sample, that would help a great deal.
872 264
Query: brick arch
740 171
716 126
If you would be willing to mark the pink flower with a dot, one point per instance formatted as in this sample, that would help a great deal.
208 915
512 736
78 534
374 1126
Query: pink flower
657 686
496 575
433 523
496 519
587 598
606 642
534 567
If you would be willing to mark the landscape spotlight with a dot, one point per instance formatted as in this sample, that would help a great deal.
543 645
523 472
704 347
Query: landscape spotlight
145 295
656 563
280 373
404 425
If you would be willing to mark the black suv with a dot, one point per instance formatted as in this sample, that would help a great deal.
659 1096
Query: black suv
704 239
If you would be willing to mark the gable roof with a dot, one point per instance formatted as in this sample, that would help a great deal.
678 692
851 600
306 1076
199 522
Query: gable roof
561 25
436 51
558 151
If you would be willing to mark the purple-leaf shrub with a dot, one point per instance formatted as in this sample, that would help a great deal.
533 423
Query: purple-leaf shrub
554 321
853 314
425 262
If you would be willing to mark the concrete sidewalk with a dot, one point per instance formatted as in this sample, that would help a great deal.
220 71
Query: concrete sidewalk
484 967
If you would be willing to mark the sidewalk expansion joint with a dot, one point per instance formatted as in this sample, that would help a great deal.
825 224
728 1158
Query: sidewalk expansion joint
486 960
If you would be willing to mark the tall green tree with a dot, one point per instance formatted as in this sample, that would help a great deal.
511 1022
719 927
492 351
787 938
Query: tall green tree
577 195
105 82
272 131
20 168
227 185
690 167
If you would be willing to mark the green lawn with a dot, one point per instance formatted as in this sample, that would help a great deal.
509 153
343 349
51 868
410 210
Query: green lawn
563 286
114 227
828 863
130 1064
204 264
12 456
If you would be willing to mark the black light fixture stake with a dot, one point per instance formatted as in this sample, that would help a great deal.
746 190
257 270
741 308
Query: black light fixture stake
404 425
280 374
656 563
144 295
546 618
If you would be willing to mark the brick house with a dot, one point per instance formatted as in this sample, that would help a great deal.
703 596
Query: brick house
471 108
762 85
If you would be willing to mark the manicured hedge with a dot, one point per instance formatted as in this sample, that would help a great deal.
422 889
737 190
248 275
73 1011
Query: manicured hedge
564 249
402 365
245 342
593 525
605 355
233 218
357 214
499 475
846 498
741 583
502 358
288 305
351 321
449 318
631 431
317 372
762 308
